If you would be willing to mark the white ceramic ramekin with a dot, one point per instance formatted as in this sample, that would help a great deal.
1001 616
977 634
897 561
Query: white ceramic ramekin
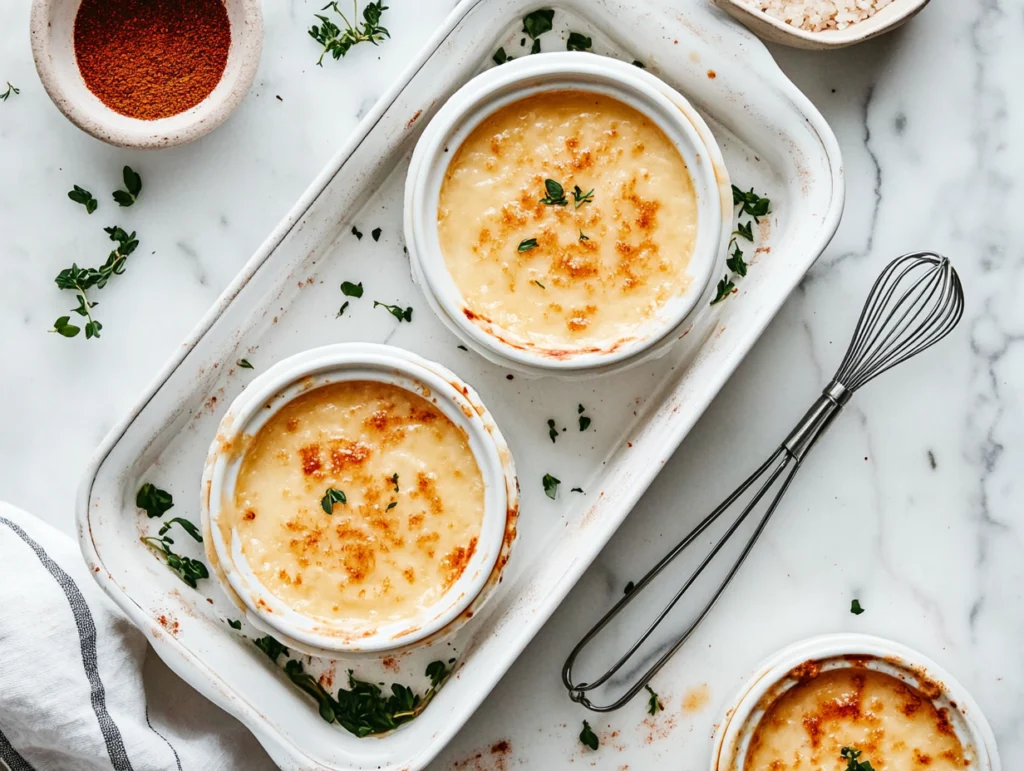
777 31
832 651
296 375
52 26
529 75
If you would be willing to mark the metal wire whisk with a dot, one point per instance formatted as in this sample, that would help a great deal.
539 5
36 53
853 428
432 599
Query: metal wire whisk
915 302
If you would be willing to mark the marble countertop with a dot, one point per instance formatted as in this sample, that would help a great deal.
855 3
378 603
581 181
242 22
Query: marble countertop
914 490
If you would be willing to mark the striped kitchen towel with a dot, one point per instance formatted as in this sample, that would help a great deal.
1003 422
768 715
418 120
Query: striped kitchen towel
77 692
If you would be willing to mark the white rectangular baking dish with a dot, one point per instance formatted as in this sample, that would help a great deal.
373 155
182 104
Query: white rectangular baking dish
286 298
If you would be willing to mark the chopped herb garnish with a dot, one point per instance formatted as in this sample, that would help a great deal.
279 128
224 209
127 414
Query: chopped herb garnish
851 756
154 501
744 230
311 685
394 481
552 431
337 41
584 422
535 48
84 197
736 263
551 486
352 290
855 608
244 363
580 409
725 288
331 497
187 526
133 186
539 284
10 90
538 22
437 672
578 42
189 570
584 237
576 490
580 198
341 310
400 313
375 233
753 204
527 244
654 705
587 736
357 232
555 194
462 348
500 57
234 623
391 505
640 64
271 646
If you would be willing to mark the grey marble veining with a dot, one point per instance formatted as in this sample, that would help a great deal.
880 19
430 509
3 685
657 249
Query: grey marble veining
911 503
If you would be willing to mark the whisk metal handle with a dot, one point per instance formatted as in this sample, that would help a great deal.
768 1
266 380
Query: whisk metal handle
778 471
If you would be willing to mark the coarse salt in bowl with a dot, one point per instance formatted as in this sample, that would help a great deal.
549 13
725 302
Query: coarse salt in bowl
303 374
573 72
52 27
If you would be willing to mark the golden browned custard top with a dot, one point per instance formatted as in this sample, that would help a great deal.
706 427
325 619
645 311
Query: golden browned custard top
894 726
602 263
414 503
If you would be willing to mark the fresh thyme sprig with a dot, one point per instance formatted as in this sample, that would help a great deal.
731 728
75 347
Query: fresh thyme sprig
80 280
400 313
84 197
755 206
133 186
851 756
189 570
10 90
337 41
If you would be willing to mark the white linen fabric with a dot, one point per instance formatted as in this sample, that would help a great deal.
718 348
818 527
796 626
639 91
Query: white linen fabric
80 689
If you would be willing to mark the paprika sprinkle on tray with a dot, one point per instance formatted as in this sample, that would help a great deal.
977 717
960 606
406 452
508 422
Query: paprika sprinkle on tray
151 59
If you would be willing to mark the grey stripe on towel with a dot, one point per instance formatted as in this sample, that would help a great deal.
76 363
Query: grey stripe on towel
87 638
12 757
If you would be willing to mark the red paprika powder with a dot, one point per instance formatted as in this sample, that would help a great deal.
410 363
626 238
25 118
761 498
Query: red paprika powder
151 59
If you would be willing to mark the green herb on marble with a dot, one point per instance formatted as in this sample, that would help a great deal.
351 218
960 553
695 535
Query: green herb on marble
337 41
244 363
375 234
855 608
133 186
84 197
9 92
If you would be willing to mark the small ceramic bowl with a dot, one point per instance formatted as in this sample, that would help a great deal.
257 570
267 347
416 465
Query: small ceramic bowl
777 31
785 668
52 27
530 75
294 376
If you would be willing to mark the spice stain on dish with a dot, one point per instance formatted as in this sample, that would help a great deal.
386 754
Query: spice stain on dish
581 264
357 501
697 698
894 725
151 59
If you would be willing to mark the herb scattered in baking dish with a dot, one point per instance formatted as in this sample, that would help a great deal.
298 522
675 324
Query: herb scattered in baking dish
154 501
234 623
744 230
725 288
357 232
654 705
551 486
578 42
580 198
855 608
577 490
244 363
552 431
352 290
753 204
583 236
189 570
536 23
500 57
187 526
337 41
394 481
640 64
400 313
133 186
311 685
341 310
80 280
535 48
736 263
853 762
375 234
331 497
271 646
587 737
462 348
84 197
555 194
527 244
437 672
10 90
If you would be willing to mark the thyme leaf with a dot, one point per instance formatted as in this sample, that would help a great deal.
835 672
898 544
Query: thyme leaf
551 486
133 186
331 497
538 22
400 313
154 501
84 197
725 288
587 736
578 42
